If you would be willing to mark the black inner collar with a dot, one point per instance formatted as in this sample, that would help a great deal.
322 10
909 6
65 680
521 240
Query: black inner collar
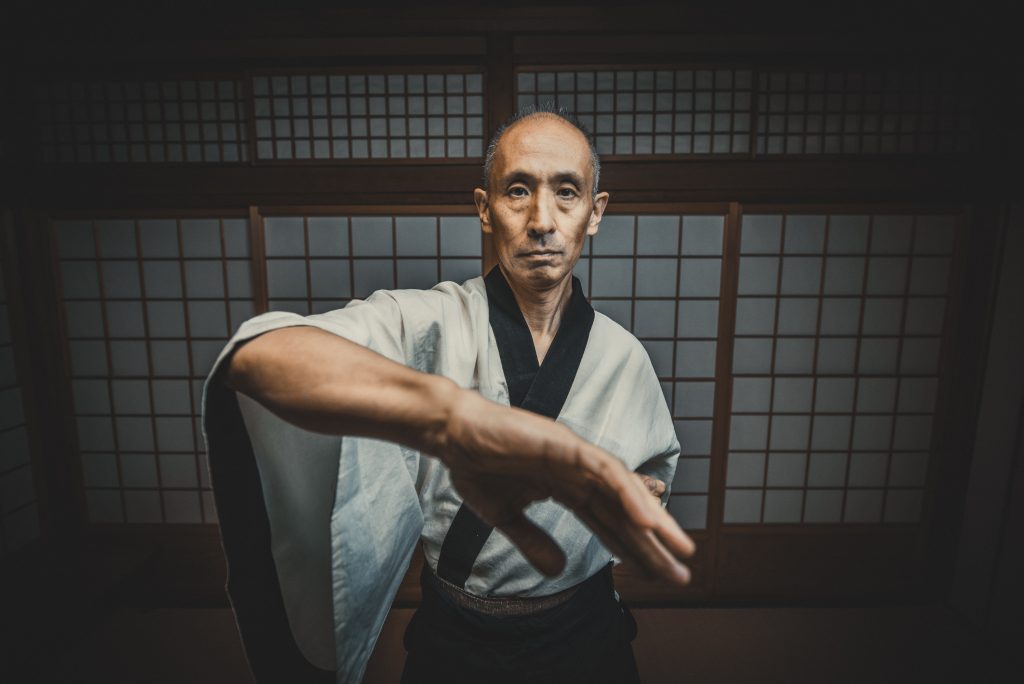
539 388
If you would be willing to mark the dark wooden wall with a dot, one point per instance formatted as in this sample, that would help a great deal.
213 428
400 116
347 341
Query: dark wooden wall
781 564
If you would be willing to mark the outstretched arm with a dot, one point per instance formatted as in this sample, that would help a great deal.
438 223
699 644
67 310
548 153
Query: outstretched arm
501 459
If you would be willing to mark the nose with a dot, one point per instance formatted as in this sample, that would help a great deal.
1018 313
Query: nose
542 213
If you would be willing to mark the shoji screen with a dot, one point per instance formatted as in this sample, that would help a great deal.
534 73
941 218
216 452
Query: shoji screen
659 276
317 263
142 121
19 508
689 111
735 110
148 303
343 116
864 112
267 117
801 355
839 328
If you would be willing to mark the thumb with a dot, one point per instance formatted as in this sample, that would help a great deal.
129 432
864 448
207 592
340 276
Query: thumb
653 485
535 544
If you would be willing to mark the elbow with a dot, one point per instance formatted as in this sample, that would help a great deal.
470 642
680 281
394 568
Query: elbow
237 376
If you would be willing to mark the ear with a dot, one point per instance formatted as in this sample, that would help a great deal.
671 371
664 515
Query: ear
596 212
480 198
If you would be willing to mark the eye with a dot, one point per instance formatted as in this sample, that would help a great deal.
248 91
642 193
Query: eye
517 191
567 193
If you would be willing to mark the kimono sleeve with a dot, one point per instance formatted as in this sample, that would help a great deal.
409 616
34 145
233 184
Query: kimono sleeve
662 439
277 489
376 323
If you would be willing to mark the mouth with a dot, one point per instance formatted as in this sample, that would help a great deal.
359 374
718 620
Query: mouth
541 253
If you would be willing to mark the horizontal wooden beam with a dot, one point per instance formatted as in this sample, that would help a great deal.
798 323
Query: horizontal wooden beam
80 33
384 49
827 565
61 187
406 16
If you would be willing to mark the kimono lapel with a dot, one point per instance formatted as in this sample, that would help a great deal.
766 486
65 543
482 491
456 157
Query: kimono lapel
541 389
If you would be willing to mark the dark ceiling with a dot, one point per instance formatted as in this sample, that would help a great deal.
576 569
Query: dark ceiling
894 20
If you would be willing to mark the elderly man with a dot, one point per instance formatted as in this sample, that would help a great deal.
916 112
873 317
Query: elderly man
339 441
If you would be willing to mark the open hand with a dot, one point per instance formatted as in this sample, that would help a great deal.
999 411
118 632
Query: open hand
501 459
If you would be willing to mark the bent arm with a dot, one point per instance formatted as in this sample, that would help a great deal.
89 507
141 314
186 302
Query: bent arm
500 458
328 384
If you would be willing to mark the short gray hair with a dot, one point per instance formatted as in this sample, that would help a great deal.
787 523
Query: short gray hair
543 109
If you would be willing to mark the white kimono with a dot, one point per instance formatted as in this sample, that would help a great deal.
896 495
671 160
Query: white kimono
319 530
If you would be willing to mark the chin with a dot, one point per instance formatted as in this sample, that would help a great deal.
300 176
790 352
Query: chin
541 274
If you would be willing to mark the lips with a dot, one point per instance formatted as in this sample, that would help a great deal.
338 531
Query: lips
541 253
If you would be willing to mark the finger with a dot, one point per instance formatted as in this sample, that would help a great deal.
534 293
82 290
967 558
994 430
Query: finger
653 485
619 509
606 510
583 497
633 499
644 545
667 528
673 536
633 545
666 565
610 537
535 544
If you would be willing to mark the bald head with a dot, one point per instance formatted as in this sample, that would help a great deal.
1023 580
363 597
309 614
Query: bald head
572 130
541 203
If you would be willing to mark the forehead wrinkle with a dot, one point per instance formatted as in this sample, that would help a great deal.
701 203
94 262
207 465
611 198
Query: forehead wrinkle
543 146
551 178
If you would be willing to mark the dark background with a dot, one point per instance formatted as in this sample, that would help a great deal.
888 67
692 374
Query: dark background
929 600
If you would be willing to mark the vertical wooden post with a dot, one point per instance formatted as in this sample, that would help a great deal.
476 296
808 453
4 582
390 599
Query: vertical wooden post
47 384
973 283
499 89
723 389
258 261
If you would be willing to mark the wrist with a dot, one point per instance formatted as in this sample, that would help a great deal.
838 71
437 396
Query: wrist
444 397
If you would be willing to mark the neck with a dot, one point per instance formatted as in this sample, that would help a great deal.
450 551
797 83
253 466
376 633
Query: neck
543 309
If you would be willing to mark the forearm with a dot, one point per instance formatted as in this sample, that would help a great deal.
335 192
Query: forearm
328 384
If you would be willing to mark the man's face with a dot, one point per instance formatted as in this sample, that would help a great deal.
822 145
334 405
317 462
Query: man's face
540 206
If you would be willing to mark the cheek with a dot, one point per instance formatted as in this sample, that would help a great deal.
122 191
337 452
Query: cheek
509 224
504 238
576 223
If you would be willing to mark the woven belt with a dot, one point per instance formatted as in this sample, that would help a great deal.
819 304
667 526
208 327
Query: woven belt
510 606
